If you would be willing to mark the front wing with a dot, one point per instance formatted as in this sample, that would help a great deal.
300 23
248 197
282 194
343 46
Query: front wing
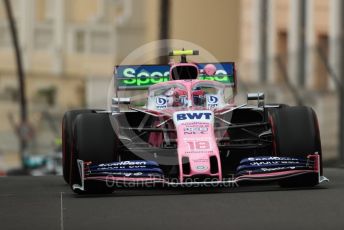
148 173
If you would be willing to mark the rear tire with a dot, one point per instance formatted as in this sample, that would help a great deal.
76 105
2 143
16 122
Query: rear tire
95 140
296 134
67 139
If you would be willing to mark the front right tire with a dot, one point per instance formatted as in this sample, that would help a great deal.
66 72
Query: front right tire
296 134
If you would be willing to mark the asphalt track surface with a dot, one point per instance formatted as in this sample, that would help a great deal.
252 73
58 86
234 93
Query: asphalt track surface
48 203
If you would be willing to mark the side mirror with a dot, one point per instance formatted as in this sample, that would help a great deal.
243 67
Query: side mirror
255 96
121 100
259 97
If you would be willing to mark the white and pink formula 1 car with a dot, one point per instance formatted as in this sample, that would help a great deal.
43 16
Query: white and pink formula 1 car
188 131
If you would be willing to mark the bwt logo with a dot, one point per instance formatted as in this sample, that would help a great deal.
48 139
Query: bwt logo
193 116
161 101
212 99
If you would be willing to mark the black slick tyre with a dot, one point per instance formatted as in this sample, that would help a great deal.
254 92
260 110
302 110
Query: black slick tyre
95 141
296 134
67 139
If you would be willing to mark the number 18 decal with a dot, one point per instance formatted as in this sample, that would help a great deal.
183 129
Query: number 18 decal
198 145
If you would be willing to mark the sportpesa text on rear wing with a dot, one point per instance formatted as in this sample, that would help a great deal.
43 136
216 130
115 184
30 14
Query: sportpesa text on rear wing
131 77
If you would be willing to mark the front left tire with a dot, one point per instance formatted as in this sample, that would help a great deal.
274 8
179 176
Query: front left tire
67 139
95 141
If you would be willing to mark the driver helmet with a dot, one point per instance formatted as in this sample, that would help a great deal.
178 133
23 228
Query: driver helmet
176 97
198 96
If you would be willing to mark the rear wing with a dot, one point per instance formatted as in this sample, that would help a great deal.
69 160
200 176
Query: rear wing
136 77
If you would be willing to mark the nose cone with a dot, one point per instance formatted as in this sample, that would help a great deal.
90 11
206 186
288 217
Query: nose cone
196 143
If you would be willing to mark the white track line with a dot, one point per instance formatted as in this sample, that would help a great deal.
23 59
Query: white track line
61 215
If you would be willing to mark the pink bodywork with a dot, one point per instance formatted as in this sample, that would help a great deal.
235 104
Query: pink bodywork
196 140
196 143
